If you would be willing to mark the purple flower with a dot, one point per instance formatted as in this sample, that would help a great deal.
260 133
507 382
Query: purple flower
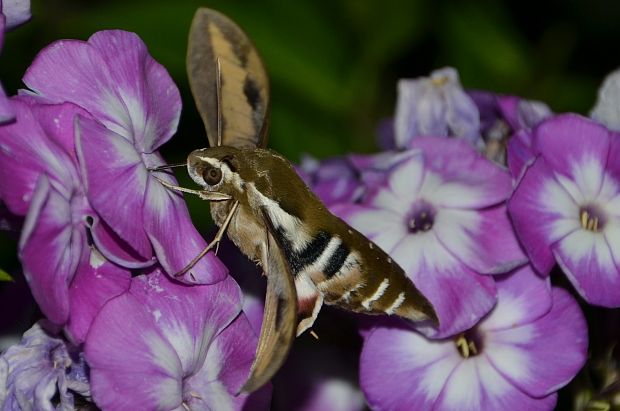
566 207
334 180
435 106
164 345
40 179
135 108
531 344
40 371
442 217
12 14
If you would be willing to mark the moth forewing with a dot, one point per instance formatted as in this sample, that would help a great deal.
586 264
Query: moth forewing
242 99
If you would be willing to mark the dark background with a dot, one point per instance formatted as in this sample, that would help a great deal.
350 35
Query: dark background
334 64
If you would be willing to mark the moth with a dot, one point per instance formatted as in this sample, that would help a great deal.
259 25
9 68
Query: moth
310 257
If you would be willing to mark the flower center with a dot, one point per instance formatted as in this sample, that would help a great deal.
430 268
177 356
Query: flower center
468 344
421 218
592 218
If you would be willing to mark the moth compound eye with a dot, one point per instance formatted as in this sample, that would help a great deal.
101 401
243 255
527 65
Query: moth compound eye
212 175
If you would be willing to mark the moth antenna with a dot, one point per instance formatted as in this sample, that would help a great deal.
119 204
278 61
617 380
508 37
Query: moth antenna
167 166
218 90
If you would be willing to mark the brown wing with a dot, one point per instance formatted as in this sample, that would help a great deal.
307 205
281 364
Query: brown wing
279 318
228 81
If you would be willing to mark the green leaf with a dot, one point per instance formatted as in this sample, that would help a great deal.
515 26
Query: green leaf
4 276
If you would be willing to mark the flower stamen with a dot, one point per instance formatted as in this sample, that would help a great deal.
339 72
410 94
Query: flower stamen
590 220
420 221
466 347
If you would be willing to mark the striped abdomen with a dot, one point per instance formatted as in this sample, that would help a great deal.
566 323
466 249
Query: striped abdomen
352 272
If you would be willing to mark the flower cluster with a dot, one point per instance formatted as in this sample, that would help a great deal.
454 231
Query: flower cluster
478 196
102 240
485 195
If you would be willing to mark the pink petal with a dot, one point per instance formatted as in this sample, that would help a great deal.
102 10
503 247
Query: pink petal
27 151
520 154
522 297
400 369
132 365
175 239
50 250
460 296
407 178
588 262
487 244
116 181
152 99
114 248
96 282
75 71
476 385
570 139
57 121
464 178
540 209
188 316
7 113
226 369
543 356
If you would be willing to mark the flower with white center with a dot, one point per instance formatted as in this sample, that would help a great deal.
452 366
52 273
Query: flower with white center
39 179
168 346
135 108
566 207
531 344
441 216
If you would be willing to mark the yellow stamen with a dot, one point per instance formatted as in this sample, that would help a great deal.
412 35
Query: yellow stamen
466 348
588 222
315 335
439 81
584 218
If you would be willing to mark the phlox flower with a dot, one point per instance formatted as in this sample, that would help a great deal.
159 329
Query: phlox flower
441 216
435 106
531 344
566 207
135 108
42 373
168 346
40 180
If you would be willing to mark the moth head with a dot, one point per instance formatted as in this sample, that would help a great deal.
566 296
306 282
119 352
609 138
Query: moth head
215 169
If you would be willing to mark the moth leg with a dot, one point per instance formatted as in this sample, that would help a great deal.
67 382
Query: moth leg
205 195
214 243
